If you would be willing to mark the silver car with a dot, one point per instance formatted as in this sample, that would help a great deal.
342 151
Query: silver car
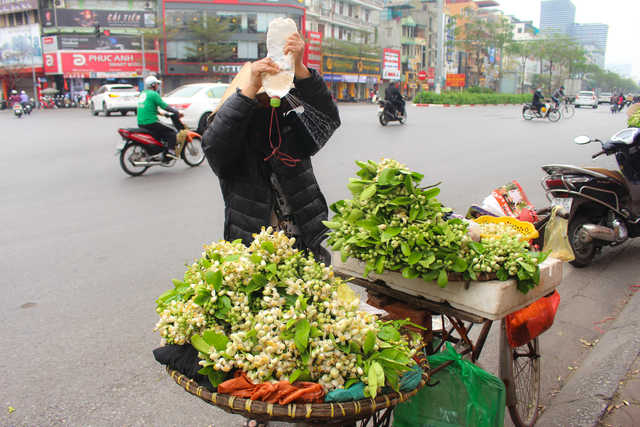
120 98
196 101
586 98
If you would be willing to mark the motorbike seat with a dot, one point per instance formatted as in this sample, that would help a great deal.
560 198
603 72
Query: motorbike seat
142 130
611 174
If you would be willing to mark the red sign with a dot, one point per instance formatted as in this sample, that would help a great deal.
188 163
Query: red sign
431 73
422 75
455 80
51 63
313 52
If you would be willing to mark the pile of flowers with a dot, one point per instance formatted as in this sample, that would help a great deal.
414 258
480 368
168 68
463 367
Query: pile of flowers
274 313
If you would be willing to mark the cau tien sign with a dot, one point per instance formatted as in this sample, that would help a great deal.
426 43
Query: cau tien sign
105 18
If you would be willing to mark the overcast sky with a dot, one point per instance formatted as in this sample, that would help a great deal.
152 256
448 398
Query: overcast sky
623 17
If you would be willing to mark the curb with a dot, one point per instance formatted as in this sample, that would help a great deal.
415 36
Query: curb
461 105
583 400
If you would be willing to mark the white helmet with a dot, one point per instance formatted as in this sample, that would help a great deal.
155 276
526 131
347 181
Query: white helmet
14 92
23 92
150 81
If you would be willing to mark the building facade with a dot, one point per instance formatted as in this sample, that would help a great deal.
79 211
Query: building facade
76 61
595 35
557 16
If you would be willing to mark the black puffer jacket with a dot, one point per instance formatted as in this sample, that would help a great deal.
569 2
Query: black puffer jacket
237 155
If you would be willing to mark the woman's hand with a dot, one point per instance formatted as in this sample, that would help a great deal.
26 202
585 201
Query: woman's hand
265 65
295 45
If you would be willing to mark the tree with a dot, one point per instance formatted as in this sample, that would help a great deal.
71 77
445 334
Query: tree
523 50
211 40
161 33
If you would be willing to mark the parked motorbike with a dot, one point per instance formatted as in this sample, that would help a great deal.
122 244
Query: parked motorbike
80 102
603 204
48 102
17 110
387 113
140 149
547 112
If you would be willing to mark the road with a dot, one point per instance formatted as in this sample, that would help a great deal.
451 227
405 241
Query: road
85 249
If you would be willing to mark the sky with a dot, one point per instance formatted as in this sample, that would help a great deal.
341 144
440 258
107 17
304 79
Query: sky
623 17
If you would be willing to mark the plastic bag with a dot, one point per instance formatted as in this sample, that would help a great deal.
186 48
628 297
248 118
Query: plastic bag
555 238
466 396
528 323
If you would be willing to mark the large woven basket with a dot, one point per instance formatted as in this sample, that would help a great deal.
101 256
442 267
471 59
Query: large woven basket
318 414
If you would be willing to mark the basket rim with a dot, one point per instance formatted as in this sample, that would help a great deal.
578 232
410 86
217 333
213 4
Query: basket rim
254 409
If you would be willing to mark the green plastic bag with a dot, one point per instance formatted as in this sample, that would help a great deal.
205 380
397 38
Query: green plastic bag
466 396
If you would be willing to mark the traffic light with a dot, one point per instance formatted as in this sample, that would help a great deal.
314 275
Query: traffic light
98 32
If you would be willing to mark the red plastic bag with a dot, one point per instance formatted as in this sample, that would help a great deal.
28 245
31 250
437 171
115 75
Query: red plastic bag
528 323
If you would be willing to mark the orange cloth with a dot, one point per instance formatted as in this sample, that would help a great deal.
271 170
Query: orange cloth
528 323
280 392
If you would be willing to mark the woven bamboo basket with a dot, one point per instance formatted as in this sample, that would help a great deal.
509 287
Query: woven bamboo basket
318 414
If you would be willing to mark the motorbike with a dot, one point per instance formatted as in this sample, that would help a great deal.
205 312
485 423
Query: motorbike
603 204
387 113
48 102
28 106
615 108
17 110
140 149
547 112
80 102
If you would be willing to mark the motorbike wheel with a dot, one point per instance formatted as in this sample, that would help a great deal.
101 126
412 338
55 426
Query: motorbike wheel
554 115
106 112
93 110
192 153
526 113
131 153
383 119
403 120
584 252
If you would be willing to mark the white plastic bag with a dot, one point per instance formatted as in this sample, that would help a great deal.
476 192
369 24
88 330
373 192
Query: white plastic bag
277 86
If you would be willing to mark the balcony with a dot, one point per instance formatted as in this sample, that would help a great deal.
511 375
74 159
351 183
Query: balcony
407 40
354 22
373 4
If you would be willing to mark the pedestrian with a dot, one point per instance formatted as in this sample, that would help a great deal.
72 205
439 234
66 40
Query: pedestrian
262 157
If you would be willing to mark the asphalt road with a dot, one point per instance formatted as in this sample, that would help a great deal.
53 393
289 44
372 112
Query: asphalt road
85 249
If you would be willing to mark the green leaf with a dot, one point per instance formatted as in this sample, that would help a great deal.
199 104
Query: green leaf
258 281
528 267
443 279
388 177
373 380
432 192
355 187
183 288
389 333
392 376
536 276
368 192
478 247
415 257
389 233
502 274
302 335
472 274
225 304
408 184
369 342
394 356
177 283
410 273
523 275
367 166
217 377
351 382
218 341
206 370
267 246
380 262
338 244
404 247
294 376
256 259
413 213
354 348
231 258
214 279
431 275
200 344
457 264
355 215
402 200
202 298
167 296
329 224
315 333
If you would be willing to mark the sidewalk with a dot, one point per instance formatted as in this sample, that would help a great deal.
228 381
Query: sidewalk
596 393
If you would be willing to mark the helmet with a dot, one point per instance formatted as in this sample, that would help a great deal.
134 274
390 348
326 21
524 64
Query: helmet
561 87
392 82
14 92
150 81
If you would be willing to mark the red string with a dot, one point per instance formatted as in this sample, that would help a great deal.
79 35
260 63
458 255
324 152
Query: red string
285 158
602 321
634 288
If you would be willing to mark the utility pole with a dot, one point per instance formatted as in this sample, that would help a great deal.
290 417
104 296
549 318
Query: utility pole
440 48
144 63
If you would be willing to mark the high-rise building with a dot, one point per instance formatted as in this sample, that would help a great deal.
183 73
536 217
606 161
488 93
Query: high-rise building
557 15
591 35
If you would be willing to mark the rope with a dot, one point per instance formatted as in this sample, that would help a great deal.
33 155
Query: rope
285 158
602 321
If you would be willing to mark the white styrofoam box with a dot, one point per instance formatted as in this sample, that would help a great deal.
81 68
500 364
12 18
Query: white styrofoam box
491 299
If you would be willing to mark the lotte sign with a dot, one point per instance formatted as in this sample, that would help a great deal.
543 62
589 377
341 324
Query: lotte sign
422 75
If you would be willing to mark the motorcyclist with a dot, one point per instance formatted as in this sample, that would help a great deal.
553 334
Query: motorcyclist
148 103
392 94
559 93
24 97
15 98
537 96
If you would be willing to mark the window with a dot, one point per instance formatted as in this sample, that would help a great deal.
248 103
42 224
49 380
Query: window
389 32
177 49
341 8
248 49
350 12
367 15
520 30
216 92
340 33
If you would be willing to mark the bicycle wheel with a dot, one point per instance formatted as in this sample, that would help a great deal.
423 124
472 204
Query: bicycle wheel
567 112
520 372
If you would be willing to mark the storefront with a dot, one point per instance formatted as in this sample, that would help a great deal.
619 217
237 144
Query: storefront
350 78
21 56
74 67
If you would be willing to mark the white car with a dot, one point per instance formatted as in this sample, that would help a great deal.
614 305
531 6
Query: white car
586 98
605 97
196 101
111 98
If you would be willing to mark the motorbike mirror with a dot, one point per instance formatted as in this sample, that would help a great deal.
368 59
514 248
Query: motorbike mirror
583 139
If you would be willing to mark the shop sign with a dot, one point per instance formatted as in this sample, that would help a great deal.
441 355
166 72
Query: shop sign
10 6
20 46
455 80
120 64
431 75
313 50
350 65
391 64
105 18
181 68
103 43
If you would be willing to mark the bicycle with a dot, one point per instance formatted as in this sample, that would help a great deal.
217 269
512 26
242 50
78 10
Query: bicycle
567 110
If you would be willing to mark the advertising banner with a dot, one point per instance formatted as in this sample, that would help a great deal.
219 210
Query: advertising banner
20 46
314 50
391 64
103 43
100 64
338 64
105 18
431 75
455 80
10 6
